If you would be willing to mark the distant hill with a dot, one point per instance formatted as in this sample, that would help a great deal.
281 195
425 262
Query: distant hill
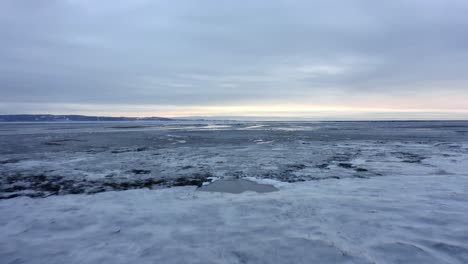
71 118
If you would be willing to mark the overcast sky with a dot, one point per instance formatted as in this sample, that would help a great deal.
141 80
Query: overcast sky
318 59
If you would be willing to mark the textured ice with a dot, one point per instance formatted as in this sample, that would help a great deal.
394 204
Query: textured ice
60 158
392 219
348 192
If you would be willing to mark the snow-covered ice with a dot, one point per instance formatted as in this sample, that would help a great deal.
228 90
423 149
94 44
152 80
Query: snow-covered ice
393 219
48 159
351 192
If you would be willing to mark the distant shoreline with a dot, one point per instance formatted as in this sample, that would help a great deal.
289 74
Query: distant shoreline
49 118
74 118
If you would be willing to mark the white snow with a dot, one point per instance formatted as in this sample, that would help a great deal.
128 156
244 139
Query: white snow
391 219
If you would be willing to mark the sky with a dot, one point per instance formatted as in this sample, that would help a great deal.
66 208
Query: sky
303 59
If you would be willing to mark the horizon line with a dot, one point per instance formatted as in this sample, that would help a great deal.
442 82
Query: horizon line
239 118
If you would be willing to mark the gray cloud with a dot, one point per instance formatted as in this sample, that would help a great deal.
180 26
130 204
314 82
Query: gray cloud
185 53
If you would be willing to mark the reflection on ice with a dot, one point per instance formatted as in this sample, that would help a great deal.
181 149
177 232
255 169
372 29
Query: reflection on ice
215 126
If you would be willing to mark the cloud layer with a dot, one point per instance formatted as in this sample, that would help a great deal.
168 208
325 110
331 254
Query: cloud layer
172 57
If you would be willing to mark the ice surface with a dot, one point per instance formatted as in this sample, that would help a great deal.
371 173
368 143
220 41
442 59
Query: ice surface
348 192
392 219
48 159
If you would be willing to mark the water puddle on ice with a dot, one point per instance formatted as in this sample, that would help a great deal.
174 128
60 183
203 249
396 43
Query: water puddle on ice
237 186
